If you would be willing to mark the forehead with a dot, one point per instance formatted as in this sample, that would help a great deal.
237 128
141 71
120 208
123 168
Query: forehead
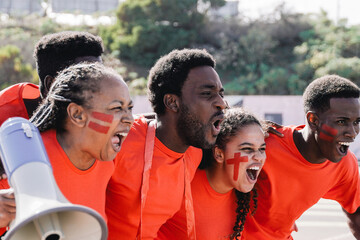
202 77
251 133
112 88
344 107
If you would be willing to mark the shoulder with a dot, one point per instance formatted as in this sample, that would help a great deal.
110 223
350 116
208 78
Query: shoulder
15 92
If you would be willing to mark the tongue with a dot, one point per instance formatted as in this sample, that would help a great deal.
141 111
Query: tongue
115 140
251 174
343 148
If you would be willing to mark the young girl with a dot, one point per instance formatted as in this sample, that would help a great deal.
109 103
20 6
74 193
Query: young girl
223 187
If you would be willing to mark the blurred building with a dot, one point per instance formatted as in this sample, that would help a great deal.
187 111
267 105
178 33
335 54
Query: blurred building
16 7
83 6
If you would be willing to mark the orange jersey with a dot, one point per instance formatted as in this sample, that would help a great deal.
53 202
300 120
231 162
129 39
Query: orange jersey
87 188
166 185
288 185
215 214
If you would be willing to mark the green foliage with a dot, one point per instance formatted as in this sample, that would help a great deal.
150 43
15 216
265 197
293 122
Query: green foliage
147 29
329 49
12 68
345 67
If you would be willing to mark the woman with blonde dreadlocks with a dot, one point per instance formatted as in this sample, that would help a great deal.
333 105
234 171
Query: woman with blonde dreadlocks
223 187
83 122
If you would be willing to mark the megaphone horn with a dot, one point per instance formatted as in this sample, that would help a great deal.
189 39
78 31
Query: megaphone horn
42 212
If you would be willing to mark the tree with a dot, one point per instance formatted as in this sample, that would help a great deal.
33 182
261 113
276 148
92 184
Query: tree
12 68
329 48
147 29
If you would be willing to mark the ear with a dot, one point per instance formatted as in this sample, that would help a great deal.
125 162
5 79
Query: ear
171 102
77 115
218 154
312 119
48 81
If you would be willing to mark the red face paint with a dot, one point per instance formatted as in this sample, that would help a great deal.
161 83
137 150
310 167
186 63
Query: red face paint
102 116
108 118
236 161
99 128
327 133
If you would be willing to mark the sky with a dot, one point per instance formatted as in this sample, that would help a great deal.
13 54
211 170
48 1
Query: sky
335 8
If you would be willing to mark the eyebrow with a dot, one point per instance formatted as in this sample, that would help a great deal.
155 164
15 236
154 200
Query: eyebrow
211 87
122 102
250 144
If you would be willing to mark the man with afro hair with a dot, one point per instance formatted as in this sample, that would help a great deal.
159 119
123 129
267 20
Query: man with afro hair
158 160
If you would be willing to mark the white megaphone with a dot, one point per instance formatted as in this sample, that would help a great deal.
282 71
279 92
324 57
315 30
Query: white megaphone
42 211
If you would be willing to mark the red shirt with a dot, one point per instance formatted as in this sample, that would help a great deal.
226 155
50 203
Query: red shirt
12 100
166 185
88 187
288 185
215 213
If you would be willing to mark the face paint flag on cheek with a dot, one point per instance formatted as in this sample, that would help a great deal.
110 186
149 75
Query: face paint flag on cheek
99 127
236 161
327 133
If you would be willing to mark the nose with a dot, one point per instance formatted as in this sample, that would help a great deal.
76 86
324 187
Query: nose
128 118
352 131
220 103
259 156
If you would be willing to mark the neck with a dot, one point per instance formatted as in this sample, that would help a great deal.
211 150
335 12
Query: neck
73 149
166 132
305 142
216 176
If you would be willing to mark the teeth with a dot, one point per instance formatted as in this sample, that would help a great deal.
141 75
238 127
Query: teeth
345 143
254 168
122 134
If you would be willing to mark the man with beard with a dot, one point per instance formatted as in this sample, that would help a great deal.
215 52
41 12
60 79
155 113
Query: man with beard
158 160
310 162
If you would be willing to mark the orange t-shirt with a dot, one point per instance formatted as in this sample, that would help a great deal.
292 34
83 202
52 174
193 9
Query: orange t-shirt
288 185
166 185
215 213
12 105
87 188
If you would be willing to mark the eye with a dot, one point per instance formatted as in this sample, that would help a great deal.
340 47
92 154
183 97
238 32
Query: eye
207 93
340 122
247 150
262 150
118 108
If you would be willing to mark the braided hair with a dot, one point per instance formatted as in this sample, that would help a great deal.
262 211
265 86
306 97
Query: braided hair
235 119
76 84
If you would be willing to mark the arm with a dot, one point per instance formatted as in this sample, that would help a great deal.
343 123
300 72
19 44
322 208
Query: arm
354 222
270 127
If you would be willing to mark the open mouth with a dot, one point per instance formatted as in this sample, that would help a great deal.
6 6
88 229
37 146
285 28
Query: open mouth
216 123
117 140
252 172
344 146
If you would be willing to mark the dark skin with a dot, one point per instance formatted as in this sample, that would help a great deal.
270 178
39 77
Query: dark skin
32 104
343 118
200 80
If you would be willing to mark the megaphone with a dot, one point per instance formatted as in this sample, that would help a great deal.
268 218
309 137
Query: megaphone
42 211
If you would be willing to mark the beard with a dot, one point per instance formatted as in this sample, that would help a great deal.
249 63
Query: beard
191 130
